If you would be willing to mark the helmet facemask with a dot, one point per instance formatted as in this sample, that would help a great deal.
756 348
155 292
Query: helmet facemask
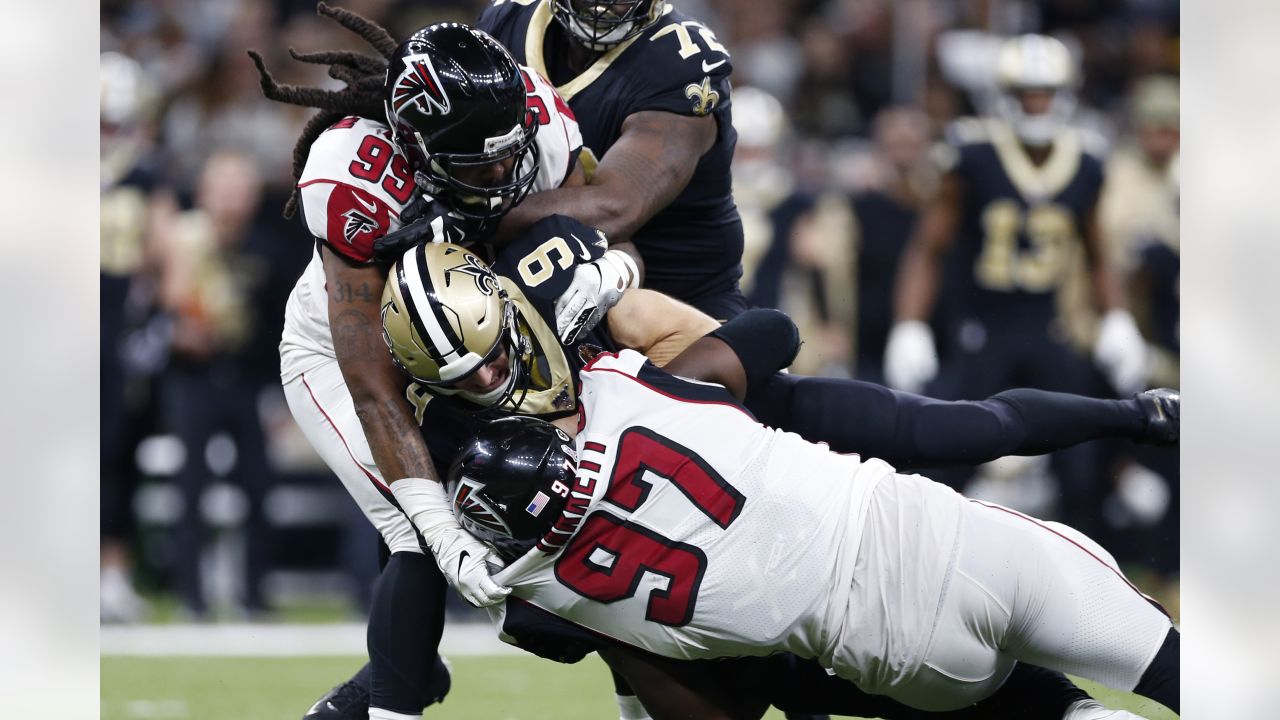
1036 63
1037 129
508 341
600 26
437 174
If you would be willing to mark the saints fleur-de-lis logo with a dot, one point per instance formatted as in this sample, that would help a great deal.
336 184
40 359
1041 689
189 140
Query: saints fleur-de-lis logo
703 97
486 282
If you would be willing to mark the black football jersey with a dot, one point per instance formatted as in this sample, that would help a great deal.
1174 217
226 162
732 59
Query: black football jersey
534 270
1020 224
693 247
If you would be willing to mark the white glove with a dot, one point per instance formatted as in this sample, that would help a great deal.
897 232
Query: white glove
462 558
596 287
910 358
1121 352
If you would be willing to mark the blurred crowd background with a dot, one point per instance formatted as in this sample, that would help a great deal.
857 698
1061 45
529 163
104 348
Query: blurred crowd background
214 505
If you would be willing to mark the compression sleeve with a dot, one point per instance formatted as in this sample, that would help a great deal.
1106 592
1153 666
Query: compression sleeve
765 341
909 430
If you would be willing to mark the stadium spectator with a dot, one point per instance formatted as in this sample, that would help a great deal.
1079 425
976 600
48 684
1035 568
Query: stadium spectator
207 286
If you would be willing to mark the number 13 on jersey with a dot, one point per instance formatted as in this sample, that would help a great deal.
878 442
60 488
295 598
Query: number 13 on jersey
609 555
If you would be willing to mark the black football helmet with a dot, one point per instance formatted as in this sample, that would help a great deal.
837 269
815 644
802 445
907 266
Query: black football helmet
456 103
510 483
600 26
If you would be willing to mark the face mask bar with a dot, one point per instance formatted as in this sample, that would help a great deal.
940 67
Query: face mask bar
477 202
599 26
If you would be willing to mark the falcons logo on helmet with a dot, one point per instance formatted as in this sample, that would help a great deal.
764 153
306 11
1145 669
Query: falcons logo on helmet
357 224
476 510
418 85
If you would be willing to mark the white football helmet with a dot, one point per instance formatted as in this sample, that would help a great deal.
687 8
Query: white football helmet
1036 63
760 174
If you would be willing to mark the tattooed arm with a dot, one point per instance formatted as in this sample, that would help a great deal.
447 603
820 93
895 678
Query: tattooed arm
649 165
377 386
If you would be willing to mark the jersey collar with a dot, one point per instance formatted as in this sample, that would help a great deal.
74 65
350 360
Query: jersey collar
1037 182
536 35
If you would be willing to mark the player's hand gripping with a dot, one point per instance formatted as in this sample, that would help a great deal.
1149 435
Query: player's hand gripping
1121 352
425 220
596 287
910 358
462 558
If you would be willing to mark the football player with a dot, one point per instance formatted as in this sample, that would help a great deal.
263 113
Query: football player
640 528
1020 196
1014 211
495 333
481 131
427 322
651 90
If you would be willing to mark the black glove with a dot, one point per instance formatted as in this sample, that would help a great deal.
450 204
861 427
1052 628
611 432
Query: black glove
426 220
1162 408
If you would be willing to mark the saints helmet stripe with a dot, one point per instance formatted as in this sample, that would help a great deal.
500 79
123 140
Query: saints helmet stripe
425 314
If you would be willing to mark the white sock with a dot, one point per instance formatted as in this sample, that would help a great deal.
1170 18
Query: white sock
1093 710
629 708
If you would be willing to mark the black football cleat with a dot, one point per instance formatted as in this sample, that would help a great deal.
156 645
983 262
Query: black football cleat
348 701
1162 409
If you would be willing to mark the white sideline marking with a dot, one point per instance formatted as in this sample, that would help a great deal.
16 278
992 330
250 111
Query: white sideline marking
277 640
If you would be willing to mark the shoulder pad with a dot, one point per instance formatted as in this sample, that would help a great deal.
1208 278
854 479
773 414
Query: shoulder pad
1094 144
967 131
499 13
559 139
628 362
353 187
687 69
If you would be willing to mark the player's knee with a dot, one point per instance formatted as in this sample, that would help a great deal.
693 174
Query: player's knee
439 682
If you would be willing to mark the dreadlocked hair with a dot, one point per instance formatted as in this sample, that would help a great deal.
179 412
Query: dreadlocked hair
363 76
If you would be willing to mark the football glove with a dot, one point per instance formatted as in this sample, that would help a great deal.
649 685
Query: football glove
910 358
1121 352
465 561
1162 410
426 220
596 287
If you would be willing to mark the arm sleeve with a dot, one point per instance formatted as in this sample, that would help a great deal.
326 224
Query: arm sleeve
765 341
909 430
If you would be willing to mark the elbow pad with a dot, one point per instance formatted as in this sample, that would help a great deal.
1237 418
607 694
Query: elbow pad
765 341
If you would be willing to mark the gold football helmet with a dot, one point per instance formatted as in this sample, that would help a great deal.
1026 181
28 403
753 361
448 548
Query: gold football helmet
1030 63
444 316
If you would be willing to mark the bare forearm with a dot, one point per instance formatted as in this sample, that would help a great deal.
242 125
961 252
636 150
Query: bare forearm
649 165
376 385
916 286
377 389
920 269
1108 291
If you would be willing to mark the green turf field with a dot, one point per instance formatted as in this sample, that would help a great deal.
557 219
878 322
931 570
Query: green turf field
282 688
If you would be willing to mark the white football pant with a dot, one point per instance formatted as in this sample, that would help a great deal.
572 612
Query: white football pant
323 408
1033 591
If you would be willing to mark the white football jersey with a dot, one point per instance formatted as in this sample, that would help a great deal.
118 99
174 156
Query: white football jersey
694 531
353 188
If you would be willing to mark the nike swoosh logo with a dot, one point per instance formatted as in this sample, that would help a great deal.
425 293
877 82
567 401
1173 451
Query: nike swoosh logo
582 246
371 207
712 66
461 559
